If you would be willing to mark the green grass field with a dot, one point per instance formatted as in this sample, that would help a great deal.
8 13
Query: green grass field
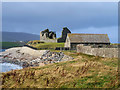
42 45
84 71
115 43
48 45
6 45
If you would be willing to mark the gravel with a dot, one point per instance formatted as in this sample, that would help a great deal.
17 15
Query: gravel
25 57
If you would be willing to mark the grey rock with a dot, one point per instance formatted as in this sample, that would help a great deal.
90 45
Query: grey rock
25 60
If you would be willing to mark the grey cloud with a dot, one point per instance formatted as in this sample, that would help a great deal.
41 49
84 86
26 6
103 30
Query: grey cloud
34 17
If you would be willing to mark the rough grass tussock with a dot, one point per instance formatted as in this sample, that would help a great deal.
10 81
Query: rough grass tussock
84 71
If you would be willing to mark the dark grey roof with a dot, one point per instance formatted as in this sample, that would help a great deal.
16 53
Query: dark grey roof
88 38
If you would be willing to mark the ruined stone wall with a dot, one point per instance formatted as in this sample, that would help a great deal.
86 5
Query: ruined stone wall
103 52
49 40
65 31
48 36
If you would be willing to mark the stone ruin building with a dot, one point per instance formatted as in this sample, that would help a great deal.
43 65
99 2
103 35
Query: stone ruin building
73 40
92 44
48 36
65 31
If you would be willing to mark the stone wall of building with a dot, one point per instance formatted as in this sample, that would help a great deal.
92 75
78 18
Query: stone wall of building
50 40
48 36
65 31
103 52
67 42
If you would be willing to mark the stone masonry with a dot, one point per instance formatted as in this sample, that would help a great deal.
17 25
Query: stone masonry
103 52
48 36
65 31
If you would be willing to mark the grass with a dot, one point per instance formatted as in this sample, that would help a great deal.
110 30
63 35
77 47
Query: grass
48 45
6 45
85 71
35 42
115 43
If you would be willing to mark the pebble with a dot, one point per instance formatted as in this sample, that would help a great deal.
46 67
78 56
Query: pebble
26 60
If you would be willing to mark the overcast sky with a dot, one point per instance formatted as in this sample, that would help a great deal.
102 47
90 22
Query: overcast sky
79 17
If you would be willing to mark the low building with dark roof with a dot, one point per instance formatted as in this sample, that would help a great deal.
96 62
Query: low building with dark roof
74 39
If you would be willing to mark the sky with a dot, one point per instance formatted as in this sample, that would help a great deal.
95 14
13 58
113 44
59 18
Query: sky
79 17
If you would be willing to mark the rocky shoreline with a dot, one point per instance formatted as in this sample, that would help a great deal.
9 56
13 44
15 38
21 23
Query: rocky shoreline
27 57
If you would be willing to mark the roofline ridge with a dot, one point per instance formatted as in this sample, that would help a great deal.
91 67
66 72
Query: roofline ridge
86 34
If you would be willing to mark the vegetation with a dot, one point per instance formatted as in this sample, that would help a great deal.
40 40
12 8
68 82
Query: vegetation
85 71
39 45
48 45
115 43
35 42
6 45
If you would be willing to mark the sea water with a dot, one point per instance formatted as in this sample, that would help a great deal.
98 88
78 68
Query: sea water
5 67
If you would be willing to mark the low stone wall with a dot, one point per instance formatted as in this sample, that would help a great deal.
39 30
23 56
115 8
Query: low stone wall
103 52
